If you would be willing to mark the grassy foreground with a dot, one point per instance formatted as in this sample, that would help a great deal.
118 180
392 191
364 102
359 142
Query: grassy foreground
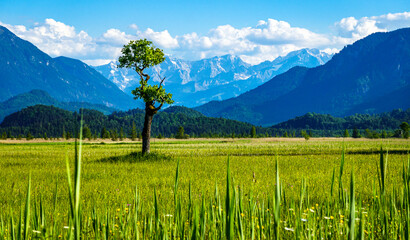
124 196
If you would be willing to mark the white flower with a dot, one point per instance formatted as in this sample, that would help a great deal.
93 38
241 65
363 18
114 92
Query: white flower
326 217
303 220
36 231
289 229
311 210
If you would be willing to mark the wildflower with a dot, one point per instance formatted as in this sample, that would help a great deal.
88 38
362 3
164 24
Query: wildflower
242 214
168 215
118 209
289 229
36 231
303 219
331 217
311 210
326 218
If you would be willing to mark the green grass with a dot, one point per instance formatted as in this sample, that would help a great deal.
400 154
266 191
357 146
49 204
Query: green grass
252 202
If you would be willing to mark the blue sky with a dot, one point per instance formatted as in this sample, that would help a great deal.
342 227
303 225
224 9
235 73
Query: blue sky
94 31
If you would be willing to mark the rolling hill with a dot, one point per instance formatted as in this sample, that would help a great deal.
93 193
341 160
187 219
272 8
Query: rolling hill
36 97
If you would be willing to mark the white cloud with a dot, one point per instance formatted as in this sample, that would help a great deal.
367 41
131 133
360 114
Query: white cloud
358 28
266 40
134 26
162 39
56 38
115 37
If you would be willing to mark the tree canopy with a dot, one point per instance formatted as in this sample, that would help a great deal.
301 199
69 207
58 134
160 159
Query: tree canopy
140 55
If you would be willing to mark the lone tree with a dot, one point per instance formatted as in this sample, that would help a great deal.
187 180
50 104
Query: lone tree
140 55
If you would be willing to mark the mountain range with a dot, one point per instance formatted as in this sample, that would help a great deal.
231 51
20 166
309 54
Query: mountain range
372 75
24 68
193 83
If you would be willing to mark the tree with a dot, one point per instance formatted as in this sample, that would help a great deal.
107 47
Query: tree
29 136
122 136
114 135
405 127
305 135
253 132
133 133
140 55
68 136
87 133
356 133
346 134
104 133
181 133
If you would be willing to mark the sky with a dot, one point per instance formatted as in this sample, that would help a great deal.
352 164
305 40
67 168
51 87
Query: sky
259 30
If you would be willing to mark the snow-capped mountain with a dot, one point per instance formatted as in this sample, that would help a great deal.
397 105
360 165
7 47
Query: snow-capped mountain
196 82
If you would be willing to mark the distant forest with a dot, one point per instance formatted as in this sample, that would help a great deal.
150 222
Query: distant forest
48 121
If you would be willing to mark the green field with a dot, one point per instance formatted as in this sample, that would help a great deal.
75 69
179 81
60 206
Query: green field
110 173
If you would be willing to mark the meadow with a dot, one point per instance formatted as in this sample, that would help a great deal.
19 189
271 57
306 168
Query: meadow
329 188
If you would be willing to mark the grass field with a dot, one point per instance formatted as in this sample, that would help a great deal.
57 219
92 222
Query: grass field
110 173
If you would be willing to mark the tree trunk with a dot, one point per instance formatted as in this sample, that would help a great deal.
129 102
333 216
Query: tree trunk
146 131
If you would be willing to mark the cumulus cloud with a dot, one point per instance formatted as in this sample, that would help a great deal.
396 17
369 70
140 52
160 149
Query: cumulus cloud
266 40
162 39
55 38
358 28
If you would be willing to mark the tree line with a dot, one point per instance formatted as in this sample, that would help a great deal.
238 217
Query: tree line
179 122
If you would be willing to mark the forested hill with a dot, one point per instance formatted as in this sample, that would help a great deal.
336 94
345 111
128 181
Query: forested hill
53 121
386 121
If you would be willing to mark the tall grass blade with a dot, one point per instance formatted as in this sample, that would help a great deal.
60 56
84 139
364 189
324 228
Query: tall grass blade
27 210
